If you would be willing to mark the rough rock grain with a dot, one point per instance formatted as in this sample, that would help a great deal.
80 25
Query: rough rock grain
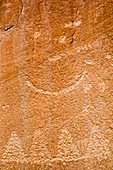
56 84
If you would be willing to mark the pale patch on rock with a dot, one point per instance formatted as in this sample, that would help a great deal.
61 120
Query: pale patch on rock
13 151
7 12
111 64
64 163
5 106
38 151
82 144
7 4
88 62
78 50
102 87
69 24
81 78
37 34
87 87
89 45
66 147
111 126
98 146
87 109
108 133
54 58
84 47
77 76
77 23
62 39
108 57
111 144
23 9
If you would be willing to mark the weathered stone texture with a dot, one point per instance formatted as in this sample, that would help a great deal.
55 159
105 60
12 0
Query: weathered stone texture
56 84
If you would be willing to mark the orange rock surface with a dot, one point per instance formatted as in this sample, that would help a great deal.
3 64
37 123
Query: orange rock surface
56 84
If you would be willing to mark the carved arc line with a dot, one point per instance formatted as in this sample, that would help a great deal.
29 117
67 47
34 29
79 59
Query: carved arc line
65 90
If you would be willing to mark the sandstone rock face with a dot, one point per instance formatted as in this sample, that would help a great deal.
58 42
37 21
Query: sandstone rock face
56 84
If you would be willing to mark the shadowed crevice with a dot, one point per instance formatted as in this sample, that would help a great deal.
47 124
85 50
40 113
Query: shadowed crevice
9 28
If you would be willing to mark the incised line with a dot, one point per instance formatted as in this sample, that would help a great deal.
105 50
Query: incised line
63 91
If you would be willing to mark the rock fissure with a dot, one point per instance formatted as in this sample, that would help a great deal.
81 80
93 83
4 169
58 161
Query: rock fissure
8 28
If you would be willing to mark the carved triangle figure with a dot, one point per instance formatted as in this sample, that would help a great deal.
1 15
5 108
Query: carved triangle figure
38 150
13 151
66 148
98 145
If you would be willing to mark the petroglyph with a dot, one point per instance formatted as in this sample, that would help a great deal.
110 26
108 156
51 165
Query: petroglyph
79 48
56 76
78 79
63 91
98 146
66 147
13 151
82 145
38 150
